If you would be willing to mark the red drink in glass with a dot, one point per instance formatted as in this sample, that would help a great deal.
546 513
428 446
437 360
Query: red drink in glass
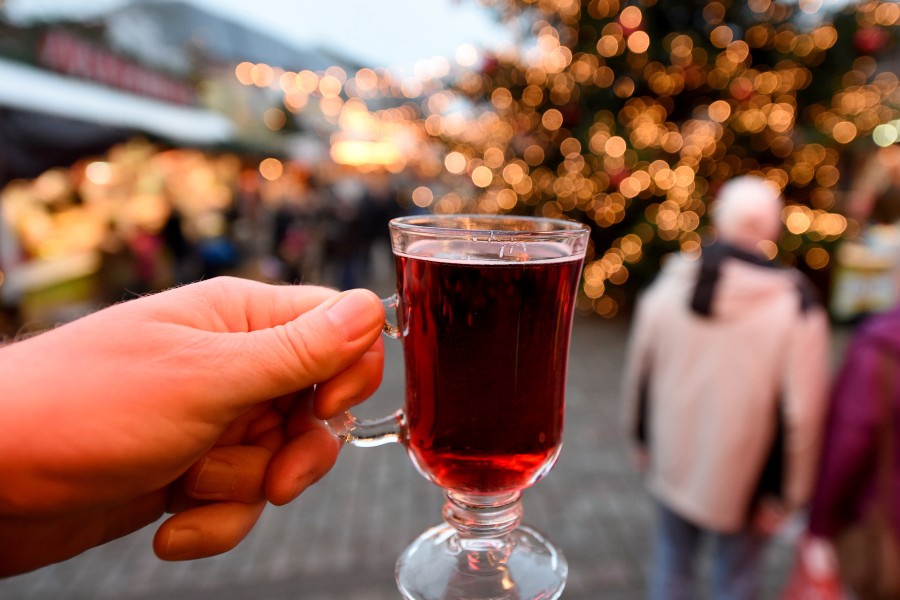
486 343
484 309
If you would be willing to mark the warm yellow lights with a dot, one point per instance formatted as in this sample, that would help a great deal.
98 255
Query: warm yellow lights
244 73
271 168
494 157
594 122
719 111
99 173
534 155
609 45
615 146
365 153
631 17
262 75
721 36
466 55
501 98
810 6
552 119
507 199
817 257
455 162
886 134
638 42
482 176
422 197
844 132
330 86
769 249
513 173
307 81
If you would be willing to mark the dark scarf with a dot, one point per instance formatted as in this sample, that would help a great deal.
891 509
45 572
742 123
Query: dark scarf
711 261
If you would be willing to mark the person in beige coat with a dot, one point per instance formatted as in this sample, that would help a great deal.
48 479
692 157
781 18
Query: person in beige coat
725 393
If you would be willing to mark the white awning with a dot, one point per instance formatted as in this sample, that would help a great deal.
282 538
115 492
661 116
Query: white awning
28 88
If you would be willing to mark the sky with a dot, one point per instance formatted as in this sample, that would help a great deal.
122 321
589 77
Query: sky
378 33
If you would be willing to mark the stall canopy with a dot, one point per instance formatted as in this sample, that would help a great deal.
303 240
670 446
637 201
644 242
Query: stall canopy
46 117
37 90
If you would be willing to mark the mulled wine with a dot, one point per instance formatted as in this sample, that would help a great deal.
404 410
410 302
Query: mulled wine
486 339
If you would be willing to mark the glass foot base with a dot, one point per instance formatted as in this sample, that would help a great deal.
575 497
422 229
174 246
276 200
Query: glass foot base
439 565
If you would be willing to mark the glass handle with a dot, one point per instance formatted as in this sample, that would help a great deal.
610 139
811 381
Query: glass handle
390 304
367 433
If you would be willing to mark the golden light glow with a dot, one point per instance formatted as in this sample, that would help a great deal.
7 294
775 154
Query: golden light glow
817 258
638 42
552 119
721 36
271 168
262 75
330 86
466 55
615 146
455 162
99 173
719 111
422 197
365 152
507 199
482 176
631 17
534 137
244 73
844 132
307 82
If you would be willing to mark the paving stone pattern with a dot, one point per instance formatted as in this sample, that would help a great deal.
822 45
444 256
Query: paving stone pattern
341 538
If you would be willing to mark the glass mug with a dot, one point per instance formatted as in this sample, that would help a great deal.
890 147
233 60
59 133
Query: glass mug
484 308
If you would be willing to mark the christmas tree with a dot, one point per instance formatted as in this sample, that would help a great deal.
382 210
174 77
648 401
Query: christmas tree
629 115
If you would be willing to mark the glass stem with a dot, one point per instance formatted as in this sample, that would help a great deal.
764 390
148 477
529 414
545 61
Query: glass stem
483 524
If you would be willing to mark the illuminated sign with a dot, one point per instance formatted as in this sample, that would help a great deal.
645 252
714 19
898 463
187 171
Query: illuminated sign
71 55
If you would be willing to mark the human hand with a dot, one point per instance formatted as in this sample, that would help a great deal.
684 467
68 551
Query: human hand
205 400
768 517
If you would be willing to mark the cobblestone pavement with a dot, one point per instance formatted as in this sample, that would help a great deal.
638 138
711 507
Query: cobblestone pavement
341 538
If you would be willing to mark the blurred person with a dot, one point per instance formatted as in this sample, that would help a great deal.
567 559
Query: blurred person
344 233
145 247
381 205
205 401
216 247
293 234
856 504
179 248
725 389
874 196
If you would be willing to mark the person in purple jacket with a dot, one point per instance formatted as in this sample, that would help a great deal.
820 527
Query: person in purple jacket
864 404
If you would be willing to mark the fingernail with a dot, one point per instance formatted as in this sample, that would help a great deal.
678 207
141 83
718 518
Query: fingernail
352 314
215 479
182 542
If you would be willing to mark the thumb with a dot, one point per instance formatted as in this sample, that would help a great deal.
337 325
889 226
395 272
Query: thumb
310 349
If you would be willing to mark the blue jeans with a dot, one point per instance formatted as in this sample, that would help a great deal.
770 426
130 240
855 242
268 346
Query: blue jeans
737 560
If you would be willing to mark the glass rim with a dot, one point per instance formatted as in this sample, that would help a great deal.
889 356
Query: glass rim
435 225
